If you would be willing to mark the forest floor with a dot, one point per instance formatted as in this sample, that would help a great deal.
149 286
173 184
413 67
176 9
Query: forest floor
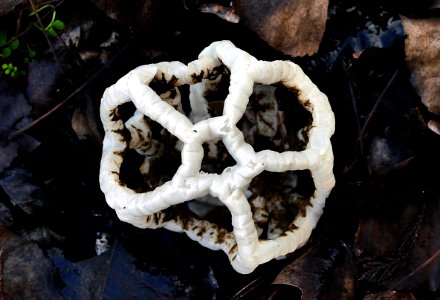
377 239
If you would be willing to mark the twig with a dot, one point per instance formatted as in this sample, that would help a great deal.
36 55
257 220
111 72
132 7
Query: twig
28 28
354 105
361 131
249 288
55 108
418 269
378 101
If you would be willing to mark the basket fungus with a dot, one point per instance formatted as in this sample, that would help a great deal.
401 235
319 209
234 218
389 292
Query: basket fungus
159 207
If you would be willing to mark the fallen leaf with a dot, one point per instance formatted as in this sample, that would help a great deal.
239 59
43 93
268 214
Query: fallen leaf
42 79
325 271
14 110
292 27
407 238
226 13
385 154
9 149
8 6
139 13
391 295
84 122
115 275
422 48
26 272
23 190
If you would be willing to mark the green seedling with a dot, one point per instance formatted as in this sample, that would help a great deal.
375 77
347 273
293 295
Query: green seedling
10 69
12 62
10 56
7 46
54 25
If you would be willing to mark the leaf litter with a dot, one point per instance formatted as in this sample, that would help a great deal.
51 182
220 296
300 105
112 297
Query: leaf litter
377 239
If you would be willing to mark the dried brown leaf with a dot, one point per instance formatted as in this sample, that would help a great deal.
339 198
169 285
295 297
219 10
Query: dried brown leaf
23 190
139 12
391 295
325 271
226 13
26 272
84 122
292 27
8 6
422 48
390 249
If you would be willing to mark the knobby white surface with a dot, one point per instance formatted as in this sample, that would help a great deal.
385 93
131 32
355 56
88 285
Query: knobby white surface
146 210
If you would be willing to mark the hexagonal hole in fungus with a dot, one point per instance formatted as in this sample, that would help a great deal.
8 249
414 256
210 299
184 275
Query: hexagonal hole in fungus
278 198
144 173
211 209
217 89
216 158
275 119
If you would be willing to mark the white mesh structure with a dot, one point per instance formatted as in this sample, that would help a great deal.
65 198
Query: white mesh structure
243 246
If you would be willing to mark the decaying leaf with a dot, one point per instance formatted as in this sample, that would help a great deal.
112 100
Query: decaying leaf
226 13
292 27
84 122
115 275
26 272
139 12
13 111
23 190
8 6
407 240
422 48
391 295
42 79
325 271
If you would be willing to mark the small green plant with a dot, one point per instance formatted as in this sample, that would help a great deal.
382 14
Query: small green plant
10 69
54 25
7 46
11 52
15 54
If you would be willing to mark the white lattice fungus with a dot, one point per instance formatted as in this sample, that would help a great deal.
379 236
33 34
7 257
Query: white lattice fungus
158 207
